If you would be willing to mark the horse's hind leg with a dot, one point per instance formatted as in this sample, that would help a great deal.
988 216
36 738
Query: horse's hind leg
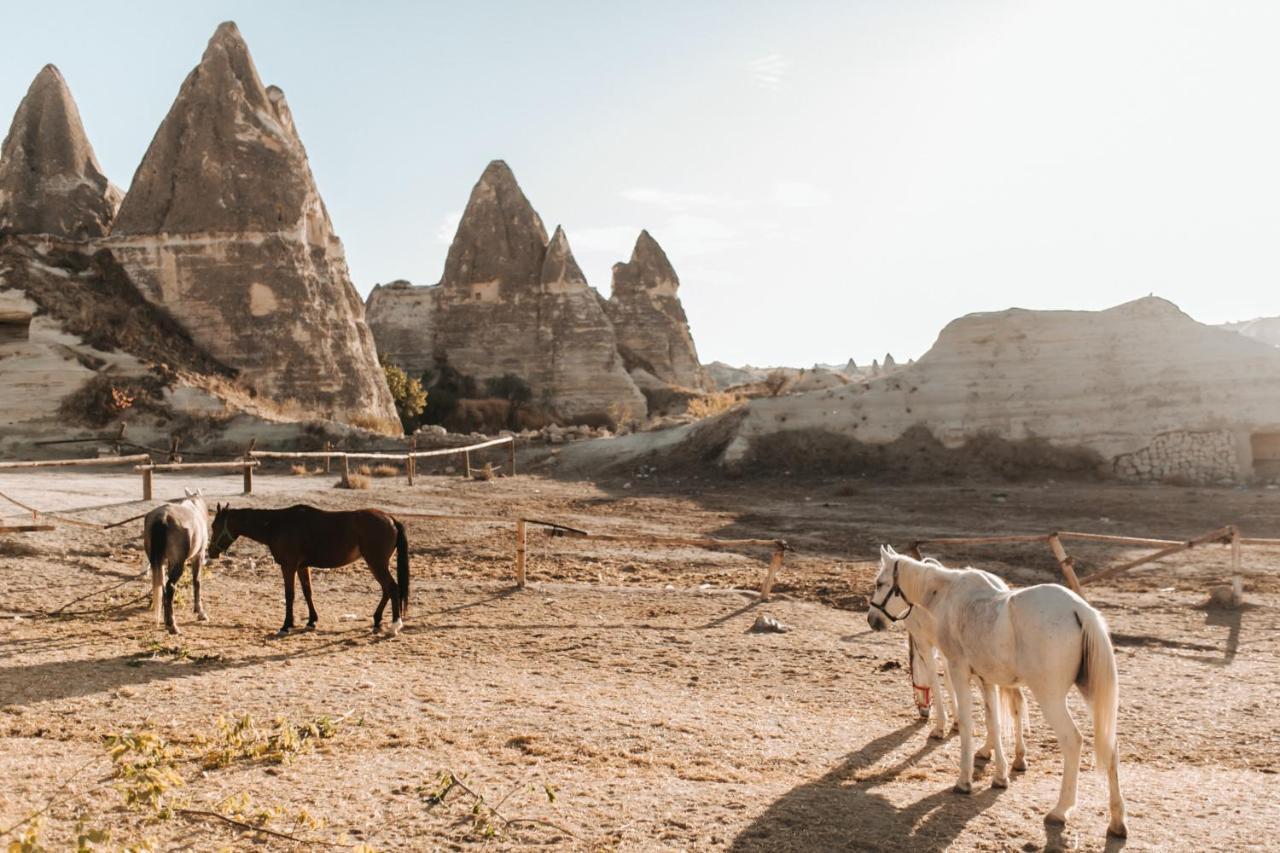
993 729
287 573
991 696
1018 710
176 567
1056 714
390 592
304 574
198 604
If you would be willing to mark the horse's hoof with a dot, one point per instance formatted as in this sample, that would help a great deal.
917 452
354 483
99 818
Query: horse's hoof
983 754
395 628
1117 829
377 627
999 781
283 632
1055 819
963 788
311 626
1020 764
202 617
937 734
173 630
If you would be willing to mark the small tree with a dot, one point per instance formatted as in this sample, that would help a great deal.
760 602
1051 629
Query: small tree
408 394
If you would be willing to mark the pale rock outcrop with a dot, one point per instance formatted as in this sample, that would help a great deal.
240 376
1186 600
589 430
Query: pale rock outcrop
649 321
50 180
224 227
510 301
1152 391
1265 329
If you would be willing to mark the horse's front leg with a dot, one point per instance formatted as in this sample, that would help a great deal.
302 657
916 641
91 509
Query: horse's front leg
951 696
288 573
926 659
195 586
170 588
157 592
959 672
995 719
988 747
304 574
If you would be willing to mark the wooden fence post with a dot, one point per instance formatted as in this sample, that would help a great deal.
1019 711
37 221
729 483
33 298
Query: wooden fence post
408 459
1235 550
146 484
511 458
775 563
1065 563
346 470
466 464
328 445
520 540
248 477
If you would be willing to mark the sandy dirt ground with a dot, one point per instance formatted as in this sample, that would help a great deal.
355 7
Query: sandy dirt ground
618 702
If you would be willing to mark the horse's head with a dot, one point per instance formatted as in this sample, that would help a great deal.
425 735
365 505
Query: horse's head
887 604
221 534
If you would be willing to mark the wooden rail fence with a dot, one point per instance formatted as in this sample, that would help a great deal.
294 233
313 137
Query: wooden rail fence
1227 535
409 458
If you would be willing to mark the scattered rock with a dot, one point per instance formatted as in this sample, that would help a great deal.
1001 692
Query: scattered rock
768 625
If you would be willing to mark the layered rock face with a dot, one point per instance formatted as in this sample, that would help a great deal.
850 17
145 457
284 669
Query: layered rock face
649 321
50 180
1152 391
510 301
224 227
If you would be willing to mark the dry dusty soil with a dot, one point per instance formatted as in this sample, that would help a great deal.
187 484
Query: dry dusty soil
618 702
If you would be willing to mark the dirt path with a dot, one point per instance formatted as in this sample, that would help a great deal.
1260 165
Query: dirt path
656 721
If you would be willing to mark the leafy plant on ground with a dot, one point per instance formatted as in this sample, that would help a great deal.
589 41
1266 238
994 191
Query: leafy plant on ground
144 767
240 739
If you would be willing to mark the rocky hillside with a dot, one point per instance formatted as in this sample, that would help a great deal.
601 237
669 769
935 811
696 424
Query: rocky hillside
1139 391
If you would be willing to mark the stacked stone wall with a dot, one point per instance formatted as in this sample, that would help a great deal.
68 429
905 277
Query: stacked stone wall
1191 457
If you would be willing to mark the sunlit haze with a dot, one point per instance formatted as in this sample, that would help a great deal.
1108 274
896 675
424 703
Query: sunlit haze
829 179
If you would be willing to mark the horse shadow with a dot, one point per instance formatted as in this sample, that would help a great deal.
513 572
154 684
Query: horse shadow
842 811
31 684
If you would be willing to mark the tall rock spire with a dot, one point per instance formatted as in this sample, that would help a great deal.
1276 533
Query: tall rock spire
649 321
510 301
265 285
50 180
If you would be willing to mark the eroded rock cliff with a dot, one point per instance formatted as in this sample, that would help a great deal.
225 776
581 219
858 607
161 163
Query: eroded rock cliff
224 227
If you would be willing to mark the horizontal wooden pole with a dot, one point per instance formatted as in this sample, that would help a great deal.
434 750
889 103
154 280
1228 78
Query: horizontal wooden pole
66 463
27 528
1256 541
209 466
416 454
641 539
986 540
1118 540
1221 534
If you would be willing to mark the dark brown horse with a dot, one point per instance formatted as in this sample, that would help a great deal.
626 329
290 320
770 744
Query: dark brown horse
302 538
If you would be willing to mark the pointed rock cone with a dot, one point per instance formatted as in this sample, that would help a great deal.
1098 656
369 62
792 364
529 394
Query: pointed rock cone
500 240
649 321
264 283
50 180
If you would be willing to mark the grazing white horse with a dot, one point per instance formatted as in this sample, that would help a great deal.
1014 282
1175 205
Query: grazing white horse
1045 637
922 627
172 534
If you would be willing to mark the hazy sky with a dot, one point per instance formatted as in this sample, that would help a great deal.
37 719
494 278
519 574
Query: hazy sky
830 179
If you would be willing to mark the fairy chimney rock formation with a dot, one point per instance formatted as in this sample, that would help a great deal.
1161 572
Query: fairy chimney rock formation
649 321
223 226
50 180
510 301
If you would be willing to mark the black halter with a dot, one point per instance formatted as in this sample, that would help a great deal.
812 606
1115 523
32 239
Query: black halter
893 590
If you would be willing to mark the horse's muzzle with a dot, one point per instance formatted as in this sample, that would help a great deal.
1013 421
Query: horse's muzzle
876 621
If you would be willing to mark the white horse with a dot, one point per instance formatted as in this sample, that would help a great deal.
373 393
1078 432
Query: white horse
172 534
924 642
1045 637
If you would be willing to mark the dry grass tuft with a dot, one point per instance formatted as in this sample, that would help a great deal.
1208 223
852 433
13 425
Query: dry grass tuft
298 470
384 426
355 481
384 471
712 404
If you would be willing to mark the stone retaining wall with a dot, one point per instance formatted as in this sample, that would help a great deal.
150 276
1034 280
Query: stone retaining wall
1192 457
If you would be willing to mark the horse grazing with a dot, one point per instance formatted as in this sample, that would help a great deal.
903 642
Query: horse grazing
922 631
172 534
1045 637
302 538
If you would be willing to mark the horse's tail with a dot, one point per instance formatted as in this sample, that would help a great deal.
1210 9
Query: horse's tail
1013 706
402 567
1099 680
157 542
